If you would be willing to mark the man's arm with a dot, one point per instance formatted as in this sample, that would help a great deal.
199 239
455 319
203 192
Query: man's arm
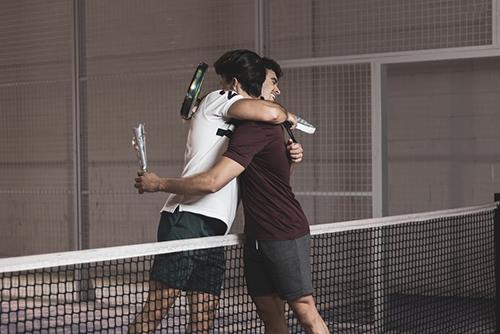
199 184
260 111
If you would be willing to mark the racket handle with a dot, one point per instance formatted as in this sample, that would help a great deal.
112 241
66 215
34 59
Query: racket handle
288 127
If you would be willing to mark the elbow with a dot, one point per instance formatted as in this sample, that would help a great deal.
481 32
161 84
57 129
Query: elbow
275 117
211 190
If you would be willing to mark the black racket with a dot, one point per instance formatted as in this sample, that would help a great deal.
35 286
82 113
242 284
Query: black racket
193 91
288 127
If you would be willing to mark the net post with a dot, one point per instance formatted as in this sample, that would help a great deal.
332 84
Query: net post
497 258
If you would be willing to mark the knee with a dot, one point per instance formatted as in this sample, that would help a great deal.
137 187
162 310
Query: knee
305 311
203 312
204 303
202 315
306 318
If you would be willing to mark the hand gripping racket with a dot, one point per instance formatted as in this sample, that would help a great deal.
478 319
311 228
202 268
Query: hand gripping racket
302 125
193 91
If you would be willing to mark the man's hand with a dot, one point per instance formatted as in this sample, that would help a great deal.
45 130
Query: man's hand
147 182
295 151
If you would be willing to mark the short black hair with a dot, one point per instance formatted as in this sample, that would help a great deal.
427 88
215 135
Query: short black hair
271 64
244 65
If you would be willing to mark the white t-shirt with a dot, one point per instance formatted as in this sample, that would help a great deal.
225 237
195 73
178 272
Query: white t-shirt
204 148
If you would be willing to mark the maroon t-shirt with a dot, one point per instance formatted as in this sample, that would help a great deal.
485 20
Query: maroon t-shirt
271 210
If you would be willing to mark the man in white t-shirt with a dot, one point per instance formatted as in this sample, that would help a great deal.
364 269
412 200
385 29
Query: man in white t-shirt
189 216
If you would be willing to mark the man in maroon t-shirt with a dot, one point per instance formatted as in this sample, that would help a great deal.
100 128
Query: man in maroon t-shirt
277 246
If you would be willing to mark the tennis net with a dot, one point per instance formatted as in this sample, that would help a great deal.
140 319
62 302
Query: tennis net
422 273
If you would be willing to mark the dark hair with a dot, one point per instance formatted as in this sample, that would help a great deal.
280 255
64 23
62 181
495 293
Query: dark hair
244 65
270 64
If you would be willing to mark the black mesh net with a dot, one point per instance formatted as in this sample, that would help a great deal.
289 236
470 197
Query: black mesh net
434 275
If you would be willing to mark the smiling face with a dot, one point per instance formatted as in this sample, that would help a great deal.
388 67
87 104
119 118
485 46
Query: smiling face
270 90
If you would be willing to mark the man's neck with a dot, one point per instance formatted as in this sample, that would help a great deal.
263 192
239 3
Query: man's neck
237 88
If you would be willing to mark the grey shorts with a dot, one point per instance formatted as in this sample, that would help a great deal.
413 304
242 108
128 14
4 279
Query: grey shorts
198 270
281 267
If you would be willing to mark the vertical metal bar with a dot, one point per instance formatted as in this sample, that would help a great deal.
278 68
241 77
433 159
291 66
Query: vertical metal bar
495 25
77 172
260 13
379 141
83 282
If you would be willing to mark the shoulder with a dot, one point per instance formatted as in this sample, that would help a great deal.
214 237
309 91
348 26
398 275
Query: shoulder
218 102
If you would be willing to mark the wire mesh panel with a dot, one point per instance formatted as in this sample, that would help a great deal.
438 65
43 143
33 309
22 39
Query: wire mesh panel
146 37
422 273
36 160
333 183
117 214
320 28
35 41
139 59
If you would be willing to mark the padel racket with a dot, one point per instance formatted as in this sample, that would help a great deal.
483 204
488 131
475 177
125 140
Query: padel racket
193 91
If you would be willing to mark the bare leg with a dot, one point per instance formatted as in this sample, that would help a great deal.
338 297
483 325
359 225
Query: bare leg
159 300
271 310
202 312
305 310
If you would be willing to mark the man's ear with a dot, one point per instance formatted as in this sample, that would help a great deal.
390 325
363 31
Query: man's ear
236 86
